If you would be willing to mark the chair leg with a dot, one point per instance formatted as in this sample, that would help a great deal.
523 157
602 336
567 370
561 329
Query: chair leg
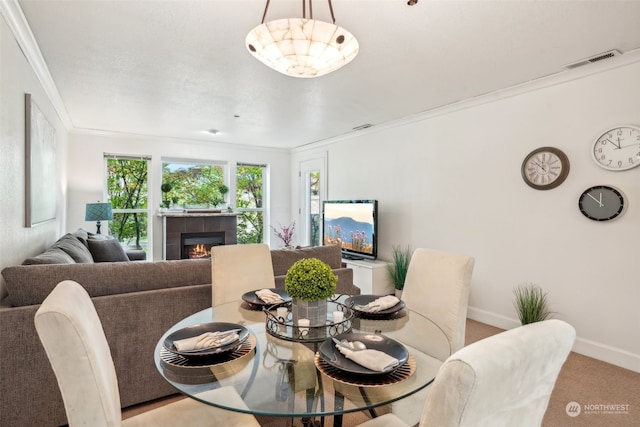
363 393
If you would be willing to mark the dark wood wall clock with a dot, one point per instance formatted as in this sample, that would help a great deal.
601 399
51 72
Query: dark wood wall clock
601 203
618 148
545 168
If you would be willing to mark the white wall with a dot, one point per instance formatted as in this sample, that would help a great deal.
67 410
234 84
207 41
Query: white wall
18 242
86 175
451 180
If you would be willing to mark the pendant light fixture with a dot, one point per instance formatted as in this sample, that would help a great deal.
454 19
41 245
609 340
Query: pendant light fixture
302 47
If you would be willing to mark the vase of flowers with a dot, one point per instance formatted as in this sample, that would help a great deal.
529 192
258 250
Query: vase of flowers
309 282
285 233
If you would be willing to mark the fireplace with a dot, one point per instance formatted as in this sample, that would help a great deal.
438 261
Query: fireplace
198 245
217 228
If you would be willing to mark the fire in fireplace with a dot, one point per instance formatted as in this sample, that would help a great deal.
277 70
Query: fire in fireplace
198 245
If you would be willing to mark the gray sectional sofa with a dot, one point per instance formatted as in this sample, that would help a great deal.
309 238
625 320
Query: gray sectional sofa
136 301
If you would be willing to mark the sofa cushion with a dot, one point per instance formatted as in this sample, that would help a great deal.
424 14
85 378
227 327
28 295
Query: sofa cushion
50 256
74 248
108 250
282 259
82 235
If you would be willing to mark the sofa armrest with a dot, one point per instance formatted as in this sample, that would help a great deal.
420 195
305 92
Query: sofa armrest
136 254
345 282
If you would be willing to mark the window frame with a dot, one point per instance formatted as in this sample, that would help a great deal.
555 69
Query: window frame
147 211
188 161
265 197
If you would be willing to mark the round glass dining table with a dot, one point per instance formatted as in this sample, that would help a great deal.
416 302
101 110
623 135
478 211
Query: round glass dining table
288 378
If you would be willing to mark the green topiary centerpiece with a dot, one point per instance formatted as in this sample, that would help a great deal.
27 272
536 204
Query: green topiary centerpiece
309 282
310 279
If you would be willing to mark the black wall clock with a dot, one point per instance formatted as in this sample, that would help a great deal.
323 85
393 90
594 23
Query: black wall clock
601 203
545 168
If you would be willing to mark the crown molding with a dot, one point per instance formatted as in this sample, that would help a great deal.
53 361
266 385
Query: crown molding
19 26
561 77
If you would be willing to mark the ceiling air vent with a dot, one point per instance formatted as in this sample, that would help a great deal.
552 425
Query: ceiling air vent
596 58
368 125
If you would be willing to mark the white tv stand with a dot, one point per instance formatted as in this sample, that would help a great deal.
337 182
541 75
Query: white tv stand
370 276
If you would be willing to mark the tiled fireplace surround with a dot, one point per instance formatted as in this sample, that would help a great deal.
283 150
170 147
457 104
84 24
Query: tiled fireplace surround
175 225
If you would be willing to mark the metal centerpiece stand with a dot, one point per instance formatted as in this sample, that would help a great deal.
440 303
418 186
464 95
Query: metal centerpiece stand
284 327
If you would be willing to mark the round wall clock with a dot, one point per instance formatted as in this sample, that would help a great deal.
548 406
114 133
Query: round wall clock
545 168
601 203
618 148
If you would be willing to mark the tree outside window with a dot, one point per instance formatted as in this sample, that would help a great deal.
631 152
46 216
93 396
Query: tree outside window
128 193
249 202
186 185
194 185
314 210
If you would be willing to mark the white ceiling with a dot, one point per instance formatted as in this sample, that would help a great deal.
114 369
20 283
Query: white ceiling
178 68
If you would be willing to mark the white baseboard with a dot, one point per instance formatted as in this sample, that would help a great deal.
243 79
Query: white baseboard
596 350
492 319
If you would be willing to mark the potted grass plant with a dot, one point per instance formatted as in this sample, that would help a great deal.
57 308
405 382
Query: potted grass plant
531 303
398 267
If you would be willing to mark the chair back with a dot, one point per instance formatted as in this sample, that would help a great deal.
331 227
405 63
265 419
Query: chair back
72 335
237 269
437 286
502 381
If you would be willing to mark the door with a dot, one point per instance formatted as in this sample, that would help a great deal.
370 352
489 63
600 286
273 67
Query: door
312 173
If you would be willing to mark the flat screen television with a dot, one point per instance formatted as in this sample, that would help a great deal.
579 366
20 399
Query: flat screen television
353 224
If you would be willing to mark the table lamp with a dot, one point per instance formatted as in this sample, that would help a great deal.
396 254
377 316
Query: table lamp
98 212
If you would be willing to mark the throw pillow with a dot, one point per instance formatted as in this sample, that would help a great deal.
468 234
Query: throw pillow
74 248
94 236
108 250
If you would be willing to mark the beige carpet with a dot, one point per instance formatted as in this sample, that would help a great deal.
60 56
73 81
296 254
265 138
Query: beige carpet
608 396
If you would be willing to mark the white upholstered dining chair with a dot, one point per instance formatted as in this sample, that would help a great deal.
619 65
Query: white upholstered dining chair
437 286
505 380
237 269
72 335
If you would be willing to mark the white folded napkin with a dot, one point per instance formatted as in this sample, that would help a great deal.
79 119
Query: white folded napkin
206 341
268 296
374 360
379 304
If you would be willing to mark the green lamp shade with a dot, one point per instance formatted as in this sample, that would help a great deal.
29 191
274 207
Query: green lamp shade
98 212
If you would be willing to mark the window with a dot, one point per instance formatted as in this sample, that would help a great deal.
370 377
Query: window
194 185
312 193
128 193
250 202
314 208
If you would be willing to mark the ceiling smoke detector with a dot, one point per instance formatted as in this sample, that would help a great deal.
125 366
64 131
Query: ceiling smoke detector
596 58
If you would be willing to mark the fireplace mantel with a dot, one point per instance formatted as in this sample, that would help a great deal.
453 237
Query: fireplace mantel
183 213
177 222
